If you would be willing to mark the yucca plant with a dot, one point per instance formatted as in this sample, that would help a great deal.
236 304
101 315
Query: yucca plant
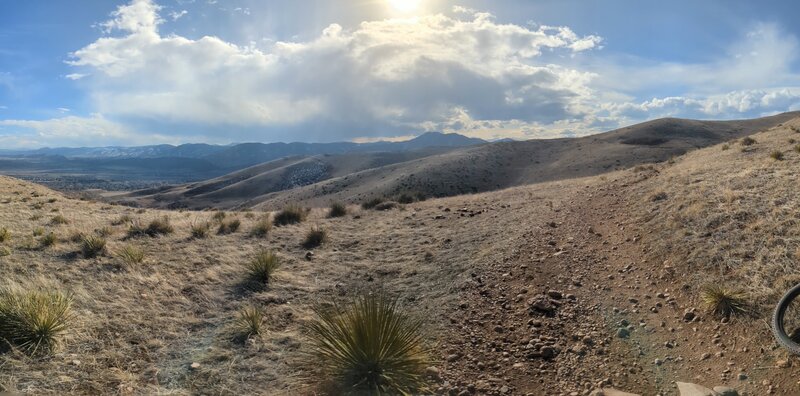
371 347
5 234
92 245
261 229
291 214
131 255
316 236
34 320
249 323
723 301
263 265
337 209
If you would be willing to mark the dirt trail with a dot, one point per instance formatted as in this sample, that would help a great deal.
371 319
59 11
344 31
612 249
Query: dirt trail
583 303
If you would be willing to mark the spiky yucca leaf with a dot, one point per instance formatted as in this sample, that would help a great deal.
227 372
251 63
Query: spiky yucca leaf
92 245
250 321
131 255
33 320
724 301
371 347
263 265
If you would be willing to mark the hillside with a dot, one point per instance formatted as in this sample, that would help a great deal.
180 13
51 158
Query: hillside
475 169
597 285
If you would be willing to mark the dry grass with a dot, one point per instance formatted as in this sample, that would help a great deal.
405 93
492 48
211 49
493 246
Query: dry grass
261 228
777 155
291 214
92 246
229 226
337 209
747 141
373 202
249 323
5 235
200 230
315 237
131 255
371 347
34 320
262 266
157 227
59 220
48 240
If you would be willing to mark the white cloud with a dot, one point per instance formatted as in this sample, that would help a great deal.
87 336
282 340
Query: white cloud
382 77
175 15
75 76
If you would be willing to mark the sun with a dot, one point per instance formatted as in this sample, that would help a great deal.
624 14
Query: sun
405 6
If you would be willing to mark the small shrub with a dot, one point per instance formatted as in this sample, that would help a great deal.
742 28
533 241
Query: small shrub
291 214
124 219
38 231
388 205
131 255
104 231
4 251
371 347
34 320
250 322
337 209
52 200
776 155
200 230
747 141
76 237
421 196
219 216
59 220
723 301
405 199
249 215
263 265
49 240
91 246
373 203
35 217
316 236
5 235
261 228
229 226
37 206
156 227
725 147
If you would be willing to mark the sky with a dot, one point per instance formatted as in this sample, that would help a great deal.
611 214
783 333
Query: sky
139 72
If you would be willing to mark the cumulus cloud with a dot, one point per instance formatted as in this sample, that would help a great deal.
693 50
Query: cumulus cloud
380 78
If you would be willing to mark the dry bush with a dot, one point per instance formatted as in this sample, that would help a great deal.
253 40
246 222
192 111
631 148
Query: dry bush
38 231
723 301
4 251
291 214
315 237
337 209
59 220
776 155
48 240
200 230
747 141
261 228
131 255
725 147
124 219
262 266
34 320
373 202
405 199
388 205
371 347
229 226
156 227
76 236
5 235
219 216
91 246
104 232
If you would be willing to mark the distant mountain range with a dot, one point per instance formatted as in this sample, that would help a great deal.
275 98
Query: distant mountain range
241 155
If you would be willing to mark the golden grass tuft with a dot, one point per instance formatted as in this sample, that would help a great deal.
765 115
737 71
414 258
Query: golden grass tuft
315 237
337 209
291 214
38 231
261 228
371 347
160 226
200 230
48 240
92 246
263 266
219 216
131 255
124 219
34 320
250 322
59 220
724 301
747 141
229 226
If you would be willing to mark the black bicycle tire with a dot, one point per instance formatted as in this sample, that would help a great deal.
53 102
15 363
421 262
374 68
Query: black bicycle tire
778 329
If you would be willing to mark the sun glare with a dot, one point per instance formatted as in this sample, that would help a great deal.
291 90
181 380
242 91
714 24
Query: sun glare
405 6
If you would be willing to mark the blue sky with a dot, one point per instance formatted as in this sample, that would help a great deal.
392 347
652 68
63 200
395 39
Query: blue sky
94 73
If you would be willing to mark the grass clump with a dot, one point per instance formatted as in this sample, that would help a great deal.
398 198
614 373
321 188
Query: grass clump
747 141
723 301
131 255
388 205
4 251
725 147
250 322
38 231
92 246
291 214
34 320
261 228
337 209
776 155
315 237
200 230
104 231
156 227
124 219
49 240
5 235
372 202
371 347
219 216
405 199
263 265
229 226
59 220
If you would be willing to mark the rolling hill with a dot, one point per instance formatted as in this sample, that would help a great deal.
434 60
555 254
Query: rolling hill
472 169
